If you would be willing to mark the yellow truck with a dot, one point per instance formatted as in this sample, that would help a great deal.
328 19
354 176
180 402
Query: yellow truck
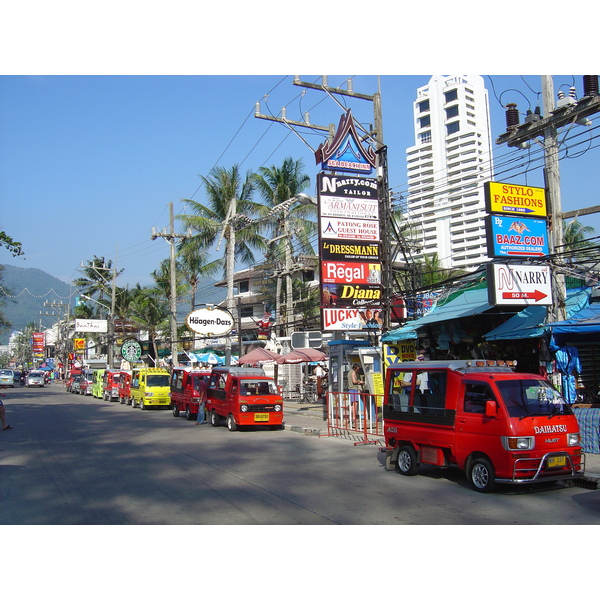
150 387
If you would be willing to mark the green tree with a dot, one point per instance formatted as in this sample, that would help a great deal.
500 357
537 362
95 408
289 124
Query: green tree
96 281
15 248
191 261
210 221
292 224
576 242
150 310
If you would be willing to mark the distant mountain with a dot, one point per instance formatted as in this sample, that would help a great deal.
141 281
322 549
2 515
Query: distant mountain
27 290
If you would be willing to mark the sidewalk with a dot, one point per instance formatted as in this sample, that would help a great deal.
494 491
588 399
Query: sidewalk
311 419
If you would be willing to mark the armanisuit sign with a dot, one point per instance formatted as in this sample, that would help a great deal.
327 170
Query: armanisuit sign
210 321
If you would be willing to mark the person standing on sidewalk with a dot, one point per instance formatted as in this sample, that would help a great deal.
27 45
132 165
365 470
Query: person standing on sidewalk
201 402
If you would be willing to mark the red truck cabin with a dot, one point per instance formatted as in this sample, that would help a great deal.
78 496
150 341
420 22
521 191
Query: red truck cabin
125 387
110 385
491 422
243 396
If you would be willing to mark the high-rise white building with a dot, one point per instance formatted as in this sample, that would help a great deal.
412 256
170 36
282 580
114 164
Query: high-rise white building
447 167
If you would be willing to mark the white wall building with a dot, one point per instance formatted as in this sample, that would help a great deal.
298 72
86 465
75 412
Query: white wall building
447 166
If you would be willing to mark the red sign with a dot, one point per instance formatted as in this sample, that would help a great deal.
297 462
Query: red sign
351 272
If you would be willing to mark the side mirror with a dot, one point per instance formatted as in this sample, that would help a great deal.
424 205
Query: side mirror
491 408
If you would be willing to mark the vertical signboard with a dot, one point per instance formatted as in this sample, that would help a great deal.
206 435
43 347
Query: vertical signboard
349 240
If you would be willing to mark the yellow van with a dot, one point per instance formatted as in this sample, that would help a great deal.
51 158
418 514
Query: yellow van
97 381
150 387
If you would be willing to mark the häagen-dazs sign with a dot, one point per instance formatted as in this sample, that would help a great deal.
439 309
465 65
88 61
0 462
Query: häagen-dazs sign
210 321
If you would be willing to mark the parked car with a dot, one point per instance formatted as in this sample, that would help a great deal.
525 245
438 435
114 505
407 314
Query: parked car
7 377
18 376
36 379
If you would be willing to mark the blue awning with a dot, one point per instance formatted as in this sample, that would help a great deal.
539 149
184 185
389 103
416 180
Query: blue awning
469 303
531 321
586 320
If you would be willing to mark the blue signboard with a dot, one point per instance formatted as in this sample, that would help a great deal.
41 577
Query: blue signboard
516 236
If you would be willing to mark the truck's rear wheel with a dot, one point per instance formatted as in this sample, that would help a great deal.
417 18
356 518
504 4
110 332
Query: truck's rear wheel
215 419
407 461
231 423
481 475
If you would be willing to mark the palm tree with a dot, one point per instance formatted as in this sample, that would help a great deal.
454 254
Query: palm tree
150 310
576 245
95 281
276 185
225 191
193 266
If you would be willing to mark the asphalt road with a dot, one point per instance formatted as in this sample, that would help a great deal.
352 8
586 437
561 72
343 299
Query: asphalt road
75 460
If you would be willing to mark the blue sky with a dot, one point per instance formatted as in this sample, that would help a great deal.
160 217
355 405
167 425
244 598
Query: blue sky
89 164
91 155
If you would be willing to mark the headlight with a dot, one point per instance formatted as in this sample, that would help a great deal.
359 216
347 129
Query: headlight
278 408
518 443
149 394
573 439
244 408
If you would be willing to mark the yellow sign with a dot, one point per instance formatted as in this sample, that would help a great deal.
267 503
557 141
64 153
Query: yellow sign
78 344
509 199
395 353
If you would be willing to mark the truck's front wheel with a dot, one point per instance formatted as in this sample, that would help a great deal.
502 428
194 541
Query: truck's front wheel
175 410
481 475
231 423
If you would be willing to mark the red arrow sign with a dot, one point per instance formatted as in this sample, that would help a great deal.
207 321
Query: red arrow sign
537 295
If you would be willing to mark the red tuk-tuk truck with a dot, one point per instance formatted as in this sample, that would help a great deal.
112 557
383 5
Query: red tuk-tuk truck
110 385
185 390
125 387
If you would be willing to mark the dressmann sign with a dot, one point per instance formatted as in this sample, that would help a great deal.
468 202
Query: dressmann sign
210 321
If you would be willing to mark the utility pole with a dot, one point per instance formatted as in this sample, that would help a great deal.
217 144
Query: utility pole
568 110
171 237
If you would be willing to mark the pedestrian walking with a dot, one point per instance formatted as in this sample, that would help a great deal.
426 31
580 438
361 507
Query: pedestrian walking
201 402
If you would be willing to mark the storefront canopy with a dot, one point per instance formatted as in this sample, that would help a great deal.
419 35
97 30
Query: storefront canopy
469 303
587 320
531 322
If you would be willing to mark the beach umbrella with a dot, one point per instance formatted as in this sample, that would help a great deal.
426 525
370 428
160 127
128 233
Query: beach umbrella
209 358
258 355
302 355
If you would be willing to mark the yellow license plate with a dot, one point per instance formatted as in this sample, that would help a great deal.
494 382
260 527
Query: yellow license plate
557 461
261 417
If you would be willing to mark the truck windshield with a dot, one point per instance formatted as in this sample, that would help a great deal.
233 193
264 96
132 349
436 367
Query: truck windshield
532 397
255 387
157 381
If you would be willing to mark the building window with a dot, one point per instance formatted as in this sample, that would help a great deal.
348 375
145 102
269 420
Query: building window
244 286
451 95
452 127
425 137
425 121
452 111
246 312
423 106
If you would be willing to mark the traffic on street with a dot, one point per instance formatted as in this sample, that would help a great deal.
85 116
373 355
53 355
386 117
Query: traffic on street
74 459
